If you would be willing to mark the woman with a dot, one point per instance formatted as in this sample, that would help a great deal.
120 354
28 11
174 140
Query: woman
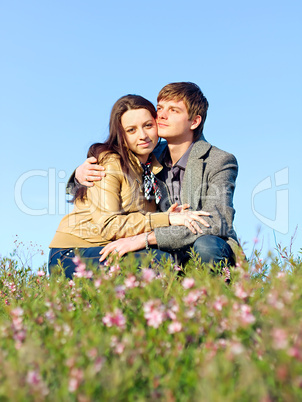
117 207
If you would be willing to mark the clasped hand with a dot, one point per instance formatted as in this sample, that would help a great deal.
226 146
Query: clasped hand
180 215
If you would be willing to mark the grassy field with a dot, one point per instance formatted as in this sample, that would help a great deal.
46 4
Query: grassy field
165 333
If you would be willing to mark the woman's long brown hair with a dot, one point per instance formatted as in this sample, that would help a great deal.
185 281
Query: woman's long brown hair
115 142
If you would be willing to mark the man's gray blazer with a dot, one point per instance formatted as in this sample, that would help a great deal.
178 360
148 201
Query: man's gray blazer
208 185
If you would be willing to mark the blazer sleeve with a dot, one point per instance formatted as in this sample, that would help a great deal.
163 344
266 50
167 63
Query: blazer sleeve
110 220
218 201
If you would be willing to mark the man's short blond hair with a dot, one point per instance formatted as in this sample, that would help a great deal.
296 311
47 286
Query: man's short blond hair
194 100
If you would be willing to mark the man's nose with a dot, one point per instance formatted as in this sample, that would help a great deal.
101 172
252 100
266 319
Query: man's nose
162 114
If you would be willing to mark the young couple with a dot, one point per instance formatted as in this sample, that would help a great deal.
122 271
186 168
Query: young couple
128 200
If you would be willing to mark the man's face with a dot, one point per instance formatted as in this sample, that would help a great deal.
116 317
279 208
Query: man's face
173 120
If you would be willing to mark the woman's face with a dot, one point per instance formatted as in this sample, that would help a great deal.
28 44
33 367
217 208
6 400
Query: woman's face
140 132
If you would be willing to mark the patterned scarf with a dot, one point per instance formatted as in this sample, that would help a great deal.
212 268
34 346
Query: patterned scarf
150 183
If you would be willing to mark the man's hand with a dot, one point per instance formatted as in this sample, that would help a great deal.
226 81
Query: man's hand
189 219
123 246
178 208
89 172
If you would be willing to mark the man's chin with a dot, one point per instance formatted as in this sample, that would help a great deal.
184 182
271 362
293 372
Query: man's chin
161 135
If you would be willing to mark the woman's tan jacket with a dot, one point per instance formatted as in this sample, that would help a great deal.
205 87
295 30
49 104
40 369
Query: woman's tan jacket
115 207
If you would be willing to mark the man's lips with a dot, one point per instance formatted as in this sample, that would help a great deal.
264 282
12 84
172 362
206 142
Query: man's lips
162 125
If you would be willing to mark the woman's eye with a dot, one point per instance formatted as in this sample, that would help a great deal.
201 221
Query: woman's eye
149 125
130 130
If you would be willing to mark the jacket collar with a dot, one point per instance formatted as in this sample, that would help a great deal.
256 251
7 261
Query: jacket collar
156 167
200 148
194 173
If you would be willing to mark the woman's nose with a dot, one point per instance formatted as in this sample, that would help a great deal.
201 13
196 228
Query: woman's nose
142 133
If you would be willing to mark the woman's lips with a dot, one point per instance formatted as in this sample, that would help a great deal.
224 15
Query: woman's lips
144 144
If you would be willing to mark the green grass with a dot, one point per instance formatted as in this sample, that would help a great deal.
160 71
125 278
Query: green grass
122 336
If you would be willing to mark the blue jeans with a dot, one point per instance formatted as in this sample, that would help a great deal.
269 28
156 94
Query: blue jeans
65 256
211 249
90 255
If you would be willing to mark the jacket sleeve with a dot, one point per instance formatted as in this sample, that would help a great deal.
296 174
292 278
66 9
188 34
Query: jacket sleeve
110 220
72 185
218 201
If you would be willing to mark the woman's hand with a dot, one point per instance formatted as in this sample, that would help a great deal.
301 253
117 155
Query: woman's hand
89 172
189 219
123 246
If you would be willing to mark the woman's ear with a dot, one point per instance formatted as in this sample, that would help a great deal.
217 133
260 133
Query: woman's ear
195 122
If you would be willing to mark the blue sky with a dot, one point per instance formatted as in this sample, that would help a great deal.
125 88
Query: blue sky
64 64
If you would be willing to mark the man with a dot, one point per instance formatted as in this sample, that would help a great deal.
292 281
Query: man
194 172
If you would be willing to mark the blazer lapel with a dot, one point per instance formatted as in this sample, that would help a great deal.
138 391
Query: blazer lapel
192 183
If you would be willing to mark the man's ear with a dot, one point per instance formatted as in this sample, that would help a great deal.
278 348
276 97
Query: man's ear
195 122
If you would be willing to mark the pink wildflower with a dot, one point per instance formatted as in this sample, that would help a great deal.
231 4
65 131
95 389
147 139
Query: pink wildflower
190 313
89 274
245 316
174 327
80 269
177 268
36 383
274 301
40 273
115 319
99 362
154 318
12 287
33 377
114 269
18 327
240 292
160 276
188 283
50 316
148 275
76 376
192 297
154 313
295 352
226 273
279 338
222 343
118 346
78 262
120 292
220 302
131 282
97 283
173 308
17 312
236 348
92 353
